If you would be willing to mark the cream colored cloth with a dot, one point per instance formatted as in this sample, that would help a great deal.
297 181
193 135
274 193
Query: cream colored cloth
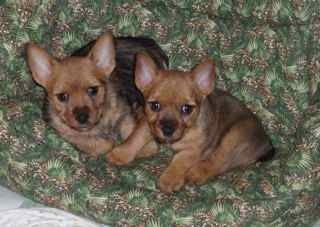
18 211
42 217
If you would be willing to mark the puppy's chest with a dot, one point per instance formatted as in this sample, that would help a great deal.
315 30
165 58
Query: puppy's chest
110 124
193 139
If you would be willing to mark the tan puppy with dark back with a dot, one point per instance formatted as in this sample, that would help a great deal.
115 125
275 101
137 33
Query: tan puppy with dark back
92 99
211 131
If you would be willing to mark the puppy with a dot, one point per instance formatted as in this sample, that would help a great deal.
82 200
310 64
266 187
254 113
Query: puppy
211 131
91 96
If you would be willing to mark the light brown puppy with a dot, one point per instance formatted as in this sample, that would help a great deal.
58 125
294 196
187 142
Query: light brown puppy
211 131
91 102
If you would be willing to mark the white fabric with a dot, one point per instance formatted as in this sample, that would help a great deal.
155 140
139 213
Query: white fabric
9 200
18 211
42 217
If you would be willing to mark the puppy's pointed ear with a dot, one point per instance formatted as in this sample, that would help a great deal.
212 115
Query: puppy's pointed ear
103 54
145 71
204 77
40 64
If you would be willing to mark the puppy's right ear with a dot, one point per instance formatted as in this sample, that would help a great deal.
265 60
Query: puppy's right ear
204 77
145 71
103 54
40 64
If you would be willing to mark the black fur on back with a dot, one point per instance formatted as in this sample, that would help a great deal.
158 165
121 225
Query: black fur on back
123 76
268 156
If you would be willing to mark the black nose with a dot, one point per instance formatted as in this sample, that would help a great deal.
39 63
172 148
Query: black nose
81 114
168 127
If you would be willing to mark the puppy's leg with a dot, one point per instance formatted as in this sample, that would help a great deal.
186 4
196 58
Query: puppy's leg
126 152
243 145
94 146
173 177
149 149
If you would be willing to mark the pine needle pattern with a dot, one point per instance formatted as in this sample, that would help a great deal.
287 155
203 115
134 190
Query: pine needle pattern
267 55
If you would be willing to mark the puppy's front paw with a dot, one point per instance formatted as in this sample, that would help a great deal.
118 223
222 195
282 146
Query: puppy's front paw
196 175
148 150
107 146
169 183
120 156
100 146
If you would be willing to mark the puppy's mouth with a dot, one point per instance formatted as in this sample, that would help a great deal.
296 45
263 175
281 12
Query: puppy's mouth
83 128
159 137
90 124
166 140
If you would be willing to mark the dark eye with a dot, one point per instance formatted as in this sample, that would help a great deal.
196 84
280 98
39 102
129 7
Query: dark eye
92 91
63 97
186 109
155 106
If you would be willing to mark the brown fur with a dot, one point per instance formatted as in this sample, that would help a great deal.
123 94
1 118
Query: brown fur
96 111
217 135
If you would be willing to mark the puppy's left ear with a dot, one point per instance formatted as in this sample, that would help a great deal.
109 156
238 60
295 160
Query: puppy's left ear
103 54
145 72
204 76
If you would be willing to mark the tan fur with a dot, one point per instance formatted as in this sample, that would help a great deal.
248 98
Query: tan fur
138 144
92 122
218 135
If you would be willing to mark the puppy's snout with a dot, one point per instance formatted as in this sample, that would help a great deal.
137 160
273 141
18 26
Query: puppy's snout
168 127
81 114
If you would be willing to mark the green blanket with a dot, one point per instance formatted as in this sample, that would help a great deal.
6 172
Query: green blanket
267 54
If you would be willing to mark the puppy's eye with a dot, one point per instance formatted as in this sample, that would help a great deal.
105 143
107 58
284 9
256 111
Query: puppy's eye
186 109
155 106
93 91
63 97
